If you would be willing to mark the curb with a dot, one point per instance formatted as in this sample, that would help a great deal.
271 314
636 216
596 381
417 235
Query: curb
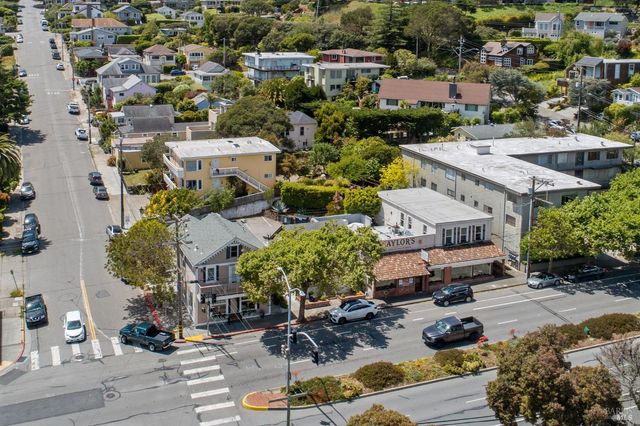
248 406
424 383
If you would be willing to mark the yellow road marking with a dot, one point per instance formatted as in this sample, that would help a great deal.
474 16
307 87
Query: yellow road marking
87 308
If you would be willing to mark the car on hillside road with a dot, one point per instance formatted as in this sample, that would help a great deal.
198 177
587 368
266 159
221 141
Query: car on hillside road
60 66
114 230
353 310
95 178
55 56
176 72
453 293
35 310
73 108
22 72
100 192
24 120
82 134
585 272
31 222
543 279
74 327
27 191
30 241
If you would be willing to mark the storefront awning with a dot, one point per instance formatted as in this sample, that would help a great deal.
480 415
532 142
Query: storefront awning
457 256
400 265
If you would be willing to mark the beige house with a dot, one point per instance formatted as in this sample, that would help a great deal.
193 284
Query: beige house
158 55
205 164
302 131
196 54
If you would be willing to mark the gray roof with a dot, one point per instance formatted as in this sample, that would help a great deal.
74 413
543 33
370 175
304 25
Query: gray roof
211 68
589 61
137 111
89 53
151 124
598 16
487 131
546 16
113 68
299 117
210 234
206 148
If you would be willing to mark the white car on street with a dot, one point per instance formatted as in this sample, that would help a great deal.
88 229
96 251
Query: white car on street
74 328
73 108
353 310
82 134
60 66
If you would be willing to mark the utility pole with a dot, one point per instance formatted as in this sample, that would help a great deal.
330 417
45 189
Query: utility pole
579 99
89 92
176 221
317 9
120 166
532 198
224 52
460 47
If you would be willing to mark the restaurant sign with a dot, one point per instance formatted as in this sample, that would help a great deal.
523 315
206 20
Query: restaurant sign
406 243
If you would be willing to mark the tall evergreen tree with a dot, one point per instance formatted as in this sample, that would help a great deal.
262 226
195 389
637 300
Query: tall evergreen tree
388 27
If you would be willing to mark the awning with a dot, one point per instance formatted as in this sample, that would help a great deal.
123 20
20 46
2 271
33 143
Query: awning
457 256
400 265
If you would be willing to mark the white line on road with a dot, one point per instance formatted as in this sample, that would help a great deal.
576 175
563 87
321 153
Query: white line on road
219 422
137 349
97 350
342 332
212 407
368 349
117 349
197 360
507 322
55 355
75 349
568 310
246 342
417 319
514 295
205 380
201 370
623 299
519 301
475 400
209 393
424 310
300 361
450 313
35 360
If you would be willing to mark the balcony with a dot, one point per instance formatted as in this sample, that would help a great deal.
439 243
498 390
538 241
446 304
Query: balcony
167 180
234 171
175 170
291 67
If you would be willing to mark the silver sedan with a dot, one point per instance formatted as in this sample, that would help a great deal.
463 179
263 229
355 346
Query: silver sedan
543 279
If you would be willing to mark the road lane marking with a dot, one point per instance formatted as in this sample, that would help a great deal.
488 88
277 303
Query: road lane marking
475 400
190 351
247 342
97 350
75 349
417 319
212 407
55 355
513 295
87 309
137 348
117 349
300 361
424 310
211 392
568 310
197 360
205 380
450 313
518 301
201 370
507 322
623 299
368 349
35 361
219 422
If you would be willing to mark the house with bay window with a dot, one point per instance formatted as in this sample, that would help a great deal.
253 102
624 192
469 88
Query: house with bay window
508 54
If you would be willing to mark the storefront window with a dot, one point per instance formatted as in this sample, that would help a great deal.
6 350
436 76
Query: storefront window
247 307
461 272
436 275
385 285
483 269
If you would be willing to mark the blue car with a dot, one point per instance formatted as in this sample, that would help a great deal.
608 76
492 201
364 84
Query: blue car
175 72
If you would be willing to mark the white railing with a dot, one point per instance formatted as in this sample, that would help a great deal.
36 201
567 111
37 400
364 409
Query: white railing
234 171
173 167
168 181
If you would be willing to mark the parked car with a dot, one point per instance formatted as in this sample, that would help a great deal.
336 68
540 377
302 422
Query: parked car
584 272
146 334
194 67
73 108
24 120
60 66
35 310
82 134
52 40
19 38
95 178
55 56
27 191
114 230
101 193
176 71
22 72
31 222
452 329
74 328
353 310
543 279
30 241
635 136
453 293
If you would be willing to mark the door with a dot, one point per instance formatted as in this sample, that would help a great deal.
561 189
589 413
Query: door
418 283
215 164
579 158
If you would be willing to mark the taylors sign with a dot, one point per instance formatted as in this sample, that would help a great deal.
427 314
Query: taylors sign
405 243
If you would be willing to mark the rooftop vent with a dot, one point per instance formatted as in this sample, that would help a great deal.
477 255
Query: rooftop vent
481 149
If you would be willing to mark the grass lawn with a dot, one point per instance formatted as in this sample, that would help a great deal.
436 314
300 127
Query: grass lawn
8 61
333 15
498 12
135 179
154 17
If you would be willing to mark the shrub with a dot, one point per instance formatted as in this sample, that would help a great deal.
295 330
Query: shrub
412 372
572 333
306 196
166 68
377 415
127 38
351 388
451 357
111 161
318 390
604 326
17 292
472 362
379 375
6 50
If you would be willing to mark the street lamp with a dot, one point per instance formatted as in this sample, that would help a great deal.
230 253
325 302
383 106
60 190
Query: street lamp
288 347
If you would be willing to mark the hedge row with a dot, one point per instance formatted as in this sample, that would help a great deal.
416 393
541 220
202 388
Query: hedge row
307 196
127 38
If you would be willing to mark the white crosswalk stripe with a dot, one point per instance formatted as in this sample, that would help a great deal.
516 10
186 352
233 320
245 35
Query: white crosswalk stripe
55 355
223 421
201 370
197 360
117 349
212 407
97 350
35 361
211 392
204 380
75 348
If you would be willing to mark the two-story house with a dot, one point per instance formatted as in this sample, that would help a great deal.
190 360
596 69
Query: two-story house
107 24
97 36
167 12
122 68
351 56
77 9
616 71
158 56
600 24
208 262
269 65
195 54
117 90
628 96
195 19
207 72
508 54
333 76
303 129
547 25
219 4
205 164
470 100
128 13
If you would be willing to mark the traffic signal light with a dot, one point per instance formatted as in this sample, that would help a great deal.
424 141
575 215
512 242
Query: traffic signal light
293 337
202 299
315 357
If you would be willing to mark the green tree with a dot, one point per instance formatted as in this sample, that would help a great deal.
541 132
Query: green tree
253 115
218 199
370 148
332 123
187 105
229 85
397 175
322 154
172 202
387 31
10 163
181 60
14 98
299 42
327 259
357 21
106 129
573 45
408 64
297 93
377 415
274 90
153 149
595 93
256 7
512 86
144 258
251 30
363 200
356 169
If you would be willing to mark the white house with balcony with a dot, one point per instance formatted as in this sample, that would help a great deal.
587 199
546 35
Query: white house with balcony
628 96
547 25
269 65
333 76
600 24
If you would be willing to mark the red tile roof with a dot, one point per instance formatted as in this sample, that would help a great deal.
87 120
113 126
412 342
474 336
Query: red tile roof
434 91
350 52
458 254
400 265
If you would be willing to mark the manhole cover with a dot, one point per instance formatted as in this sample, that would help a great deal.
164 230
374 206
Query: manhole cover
102 293
79 357
112 395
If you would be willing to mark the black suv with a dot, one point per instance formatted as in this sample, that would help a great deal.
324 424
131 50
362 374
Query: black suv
35 310
31 222
453 293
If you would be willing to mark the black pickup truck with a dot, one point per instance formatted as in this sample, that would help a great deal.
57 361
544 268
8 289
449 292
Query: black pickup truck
452 329
147 334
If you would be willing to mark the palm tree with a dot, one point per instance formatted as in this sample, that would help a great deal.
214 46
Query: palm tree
9 161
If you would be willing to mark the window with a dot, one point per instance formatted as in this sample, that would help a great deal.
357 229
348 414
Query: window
233 159
470 107
593 155
401 219
448 237
423 182
477 182
531 50
487 209
268 158
392 102
506 62
545 159
632 69
563 157
213 272
424 229
612 154
193 166
450 174
463 235
511 197
409 222
475 204
511 221
568 198
451 193
194 184
334 57
233 251
520 50
301 131
479 232
463 176
424 164
523 61
616 71
233 277
529 61
462 198
434 167
434 187
268 175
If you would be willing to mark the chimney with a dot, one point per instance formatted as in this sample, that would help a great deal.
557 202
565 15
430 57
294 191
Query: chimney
453 90
481 148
